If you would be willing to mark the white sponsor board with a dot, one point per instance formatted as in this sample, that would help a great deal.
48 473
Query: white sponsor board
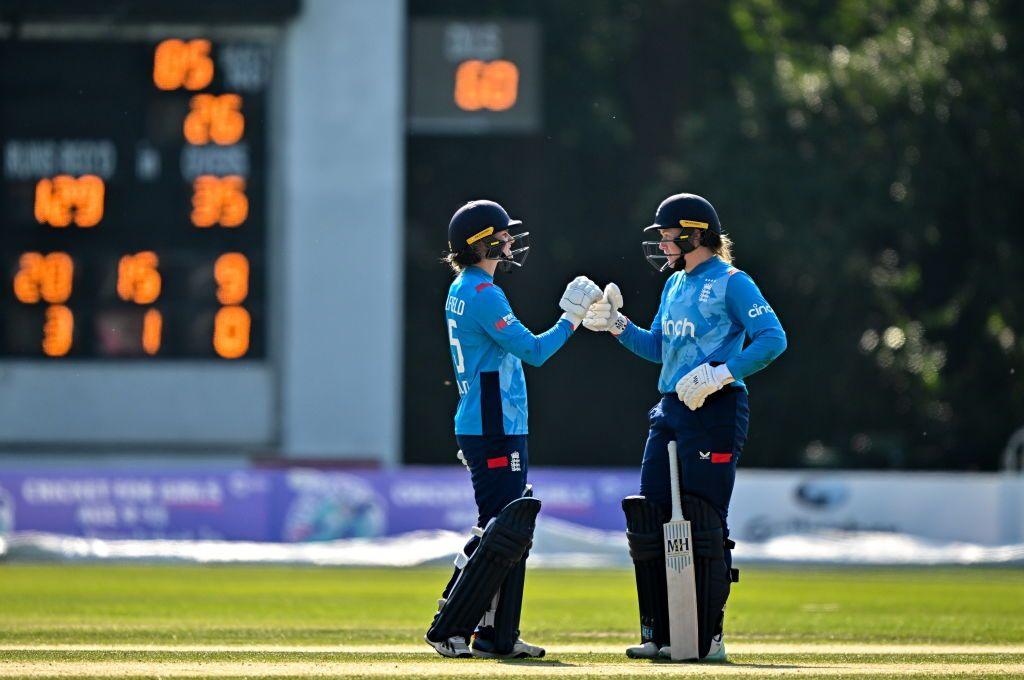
556 544
978 508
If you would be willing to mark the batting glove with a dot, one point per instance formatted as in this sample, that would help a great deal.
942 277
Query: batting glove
700 383
577 298
604 315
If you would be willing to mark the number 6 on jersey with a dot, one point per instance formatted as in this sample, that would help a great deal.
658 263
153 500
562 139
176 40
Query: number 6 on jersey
457 359
460 364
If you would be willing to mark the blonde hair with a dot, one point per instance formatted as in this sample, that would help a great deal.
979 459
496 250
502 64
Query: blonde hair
451 259
723 249
462 260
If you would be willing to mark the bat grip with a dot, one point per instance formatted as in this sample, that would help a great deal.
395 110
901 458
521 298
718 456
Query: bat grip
673 466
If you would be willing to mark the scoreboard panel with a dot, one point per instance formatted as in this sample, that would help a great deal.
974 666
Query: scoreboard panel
474 76
133 199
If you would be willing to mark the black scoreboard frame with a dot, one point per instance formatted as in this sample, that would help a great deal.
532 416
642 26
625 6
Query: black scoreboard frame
141 405
130 142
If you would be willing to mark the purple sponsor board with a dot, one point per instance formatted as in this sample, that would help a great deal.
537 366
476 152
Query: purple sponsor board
289 505
131 504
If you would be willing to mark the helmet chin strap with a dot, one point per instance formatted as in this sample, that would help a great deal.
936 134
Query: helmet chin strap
685 246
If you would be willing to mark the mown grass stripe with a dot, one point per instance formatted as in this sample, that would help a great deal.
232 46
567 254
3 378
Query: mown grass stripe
455 669
598 648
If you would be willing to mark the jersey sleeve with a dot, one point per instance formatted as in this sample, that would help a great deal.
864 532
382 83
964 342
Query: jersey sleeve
748 307
494 314
642 342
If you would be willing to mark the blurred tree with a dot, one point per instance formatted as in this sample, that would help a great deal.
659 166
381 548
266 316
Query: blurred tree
885 141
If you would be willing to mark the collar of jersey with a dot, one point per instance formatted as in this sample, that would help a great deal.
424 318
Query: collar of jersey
707 264
478 272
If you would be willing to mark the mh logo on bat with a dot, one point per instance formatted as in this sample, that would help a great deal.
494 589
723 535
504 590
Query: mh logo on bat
677 545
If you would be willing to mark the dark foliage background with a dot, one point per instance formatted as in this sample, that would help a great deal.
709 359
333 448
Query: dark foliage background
865 156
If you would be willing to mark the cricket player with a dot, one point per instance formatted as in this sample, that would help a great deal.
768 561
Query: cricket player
709 311
488 347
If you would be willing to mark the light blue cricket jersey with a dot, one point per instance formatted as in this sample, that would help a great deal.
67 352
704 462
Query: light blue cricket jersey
704 316
489 345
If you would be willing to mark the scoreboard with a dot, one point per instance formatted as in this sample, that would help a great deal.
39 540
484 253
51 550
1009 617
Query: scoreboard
133 202
474 76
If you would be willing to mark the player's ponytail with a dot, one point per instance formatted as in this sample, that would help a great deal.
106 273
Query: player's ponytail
720 245
459 261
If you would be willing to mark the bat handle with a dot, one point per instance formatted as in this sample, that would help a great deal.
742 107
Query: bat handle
673 467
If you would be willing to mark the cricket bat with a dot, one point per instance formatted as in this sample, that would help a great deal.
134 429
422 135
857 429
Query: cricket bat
682 589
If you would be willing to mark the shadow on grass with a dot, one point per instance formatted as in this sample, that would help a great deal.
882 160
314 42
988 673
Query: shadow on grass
777 666
733 664
545 663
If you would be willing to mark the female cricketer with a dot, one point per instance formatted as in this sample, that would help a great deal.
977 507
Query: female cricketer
708 310
483 599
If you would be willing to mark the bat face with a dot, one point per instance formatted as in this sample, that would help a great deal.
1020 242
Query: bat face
682 595
679 573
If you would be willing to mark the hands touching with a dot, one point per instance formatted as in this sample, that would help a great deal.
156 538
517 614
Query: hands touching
604 315
579 295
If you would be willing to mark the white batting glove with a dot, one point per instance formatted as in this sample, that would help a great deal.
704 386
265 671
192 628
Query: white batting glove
462 459
604 315
700 383
577 298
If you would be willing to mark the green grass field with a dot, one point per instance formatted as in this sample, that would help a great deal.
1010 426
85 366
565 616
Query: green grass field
193 621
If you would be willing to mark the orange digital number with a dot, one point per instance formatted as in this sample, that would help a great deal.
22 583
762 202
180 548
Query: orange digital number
138 279
66 199
214 118
232 274
44 277
231 332
58 331
219 200
177 64
486 85
152 327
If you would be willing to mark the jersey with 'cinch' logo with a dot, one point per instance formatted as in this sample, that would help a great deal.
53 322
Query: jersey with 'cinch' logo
489 345
704 317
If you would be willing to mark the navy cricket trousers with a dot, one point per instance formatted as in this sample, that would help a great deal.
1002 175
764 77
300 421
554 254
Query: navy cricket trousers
498 465
709 442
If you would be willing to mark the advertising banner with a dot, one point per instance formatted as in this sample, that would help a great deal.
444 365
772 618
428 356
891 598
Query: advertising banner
308 505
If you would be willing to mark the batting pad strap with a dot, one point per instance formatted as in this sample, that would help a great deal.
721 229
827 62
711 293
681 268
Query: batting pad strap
644 521
462 558
509 543
644 546
709 544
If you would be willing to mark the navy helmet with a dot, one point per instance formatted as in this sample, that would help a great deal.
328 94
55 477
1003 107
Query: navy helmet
689 212
477 222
